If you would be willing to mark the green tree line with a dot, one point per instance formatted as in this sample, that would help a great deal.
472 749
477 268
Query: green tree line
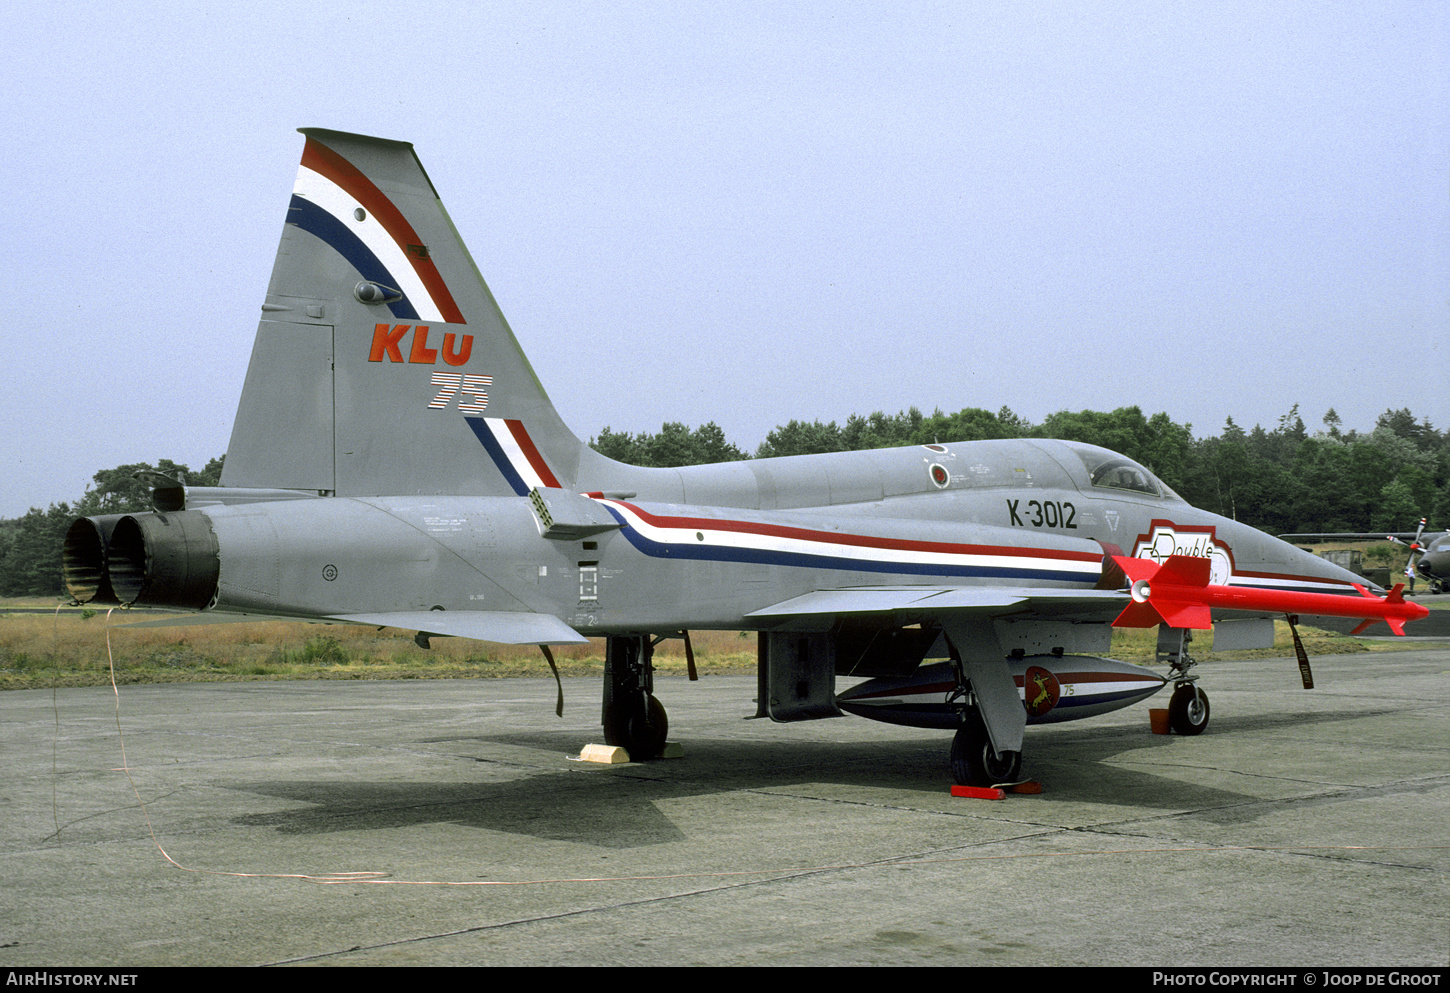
30 546
1281 480
1286 479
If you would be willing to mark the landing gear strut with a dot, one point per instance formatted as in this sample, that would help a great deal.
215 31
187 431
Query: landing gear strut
633 718
1188 708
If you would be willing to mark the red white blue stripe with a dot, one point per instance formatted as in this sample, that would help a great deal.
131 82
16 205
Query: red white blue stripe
1290 583
723 540
337 203
1087 687
514 453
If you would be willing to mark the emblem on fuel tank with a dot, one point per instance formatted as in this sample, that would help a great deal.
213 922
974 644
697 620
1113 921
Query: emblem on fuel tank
1041 690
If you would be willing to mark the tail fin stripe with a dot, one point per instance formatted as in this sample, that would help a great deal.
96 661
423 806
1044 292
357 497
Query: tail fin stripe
322 168
514 453
530 452
500 457
379 402
316 220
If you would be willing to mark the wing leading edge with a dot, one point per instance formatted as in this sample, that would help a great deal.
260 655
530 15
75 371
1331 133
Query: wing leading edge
996 601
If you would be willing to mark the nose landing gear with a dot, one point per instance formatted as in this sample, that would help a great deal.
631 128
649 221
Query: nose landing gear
1188 707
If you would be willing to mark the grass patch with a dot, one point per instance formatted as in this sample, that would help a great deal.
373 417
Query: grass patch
70 649
43 650
1141 644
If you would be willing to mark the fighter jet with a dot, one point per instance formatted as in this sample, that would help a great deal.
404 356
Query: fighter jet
396 462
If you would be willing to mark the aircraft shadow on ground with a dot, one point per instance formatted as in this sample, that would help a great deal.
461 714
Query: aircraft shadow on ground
619 806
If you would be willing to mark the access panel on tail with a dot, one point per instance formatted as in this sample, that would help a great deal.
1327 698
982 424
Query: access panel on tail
407 380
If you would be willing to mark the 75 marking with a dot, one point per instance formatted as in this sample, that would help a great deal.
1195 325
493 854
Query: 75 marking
454 383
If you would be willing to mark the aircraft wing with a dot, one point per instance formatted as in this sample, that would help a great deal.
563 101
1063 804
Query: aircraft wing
502 627
968 616
935 600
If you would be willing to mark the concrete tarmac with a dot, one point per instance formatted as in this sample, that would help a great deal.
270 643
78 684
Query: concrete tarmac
1305 828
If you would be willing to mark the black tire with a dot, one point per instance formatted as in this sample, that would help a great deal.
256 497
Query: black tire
1188 711
646 730
974 763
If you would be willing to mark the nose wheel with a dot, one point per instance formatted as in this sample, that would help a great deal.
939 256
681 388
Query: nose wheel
1188 709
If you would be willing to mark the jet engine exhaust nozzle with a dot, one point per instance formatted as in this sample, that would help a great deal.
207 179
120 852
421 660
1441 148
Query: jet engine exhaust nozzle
150 560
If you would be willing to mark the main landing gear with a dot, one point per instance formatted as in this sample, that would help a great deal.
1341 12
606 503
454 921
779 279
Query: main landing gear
633 718
974 761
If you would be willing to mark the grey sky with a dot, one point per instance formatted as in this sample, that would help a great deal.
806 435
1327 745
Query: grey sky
749 213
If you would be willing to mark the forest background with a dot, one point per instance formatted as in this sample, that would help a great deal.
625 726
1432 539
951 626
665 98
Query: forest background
1282 480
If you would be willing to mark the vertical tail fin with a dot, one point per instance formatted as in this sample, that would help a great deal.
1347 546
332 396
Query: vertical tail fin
382 364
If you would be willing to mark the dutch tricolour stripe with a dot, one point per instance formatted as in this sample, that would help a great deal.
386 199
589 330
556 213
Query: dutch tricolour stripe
514 453
337 203
521 464
749 541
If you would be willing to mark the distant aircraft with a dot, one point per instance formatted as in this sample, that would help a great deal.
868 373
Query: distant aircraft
396 462
1433 564
1429 553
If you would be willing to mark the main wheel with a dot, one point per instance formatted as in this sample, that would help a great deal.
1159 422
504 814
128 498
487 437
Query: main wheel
975 763
1188 710
646 728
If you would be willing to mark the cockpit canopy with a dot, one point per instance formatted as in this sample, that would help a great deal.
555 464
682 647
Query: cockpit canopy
1113 471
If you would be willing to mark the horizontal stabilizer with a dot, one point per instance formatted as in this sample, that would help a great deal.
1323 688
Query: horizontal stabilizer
503 627
166 619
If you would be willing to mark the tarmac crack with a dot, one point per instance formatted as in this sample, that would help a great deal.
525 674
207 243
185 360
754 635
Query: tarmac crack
785 874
